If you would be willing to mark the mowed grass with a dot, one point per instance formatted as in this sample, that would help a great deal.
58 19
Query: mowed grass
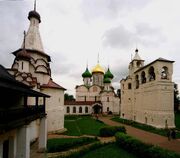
82 125
108 151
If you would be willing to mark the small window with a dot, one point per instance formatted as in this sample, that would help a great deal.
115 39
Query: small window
85 98
129 86
22 65
95 98
74 109
80 109
107 99
107 109
67 109
86 109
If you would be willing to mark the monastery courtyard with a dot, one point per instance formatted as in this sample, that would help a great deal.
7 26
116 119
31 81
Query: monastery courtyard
148 137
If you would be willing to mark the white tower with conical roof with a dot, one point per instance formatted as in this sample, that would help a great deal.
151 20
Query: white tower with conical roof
32 67
136 63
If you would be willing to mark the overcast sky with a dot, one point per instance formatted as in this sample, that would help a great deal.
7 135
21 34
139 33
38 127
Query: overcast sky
75 31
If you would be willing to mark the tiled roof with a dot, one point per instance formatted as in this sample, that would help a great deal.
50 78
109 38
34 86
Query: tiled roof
52 84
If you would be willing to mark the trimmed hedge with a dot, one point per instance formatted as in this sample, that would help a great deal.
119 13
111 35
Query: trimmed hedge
141 149
111 130
62 144
145 127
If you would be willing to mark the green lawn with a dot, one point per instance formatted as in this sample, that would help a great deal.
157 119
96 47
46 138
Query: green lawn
108 151
82 125
177 120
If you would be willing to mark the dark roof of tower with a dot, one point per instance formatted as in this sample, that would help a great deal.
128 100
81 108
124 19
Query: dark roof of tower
34 14
86 73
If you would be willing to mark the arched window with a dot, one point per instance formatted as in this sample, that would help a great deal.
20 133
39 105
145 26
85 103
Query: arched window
137 81
143 77
129 86
107 109
74 109
107 99
164 72
138 64
80 109
152 75
86 109
67 109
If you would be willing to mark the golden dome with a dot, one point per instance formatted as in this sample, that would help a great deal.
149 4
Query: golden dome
98 68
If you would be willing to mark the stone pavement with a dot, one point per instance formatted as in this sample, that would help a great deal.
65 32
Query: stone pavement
145 136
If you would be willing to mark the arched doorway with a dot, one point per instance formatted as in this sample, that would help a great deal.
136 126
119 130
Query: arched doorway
97 109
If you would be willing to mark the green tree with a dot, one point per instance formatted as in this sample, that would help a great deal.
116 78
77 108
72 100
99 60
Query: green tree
68 97
176 97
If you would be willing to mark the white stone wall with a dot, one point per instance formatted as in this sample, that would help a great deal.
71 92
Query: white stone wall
54 109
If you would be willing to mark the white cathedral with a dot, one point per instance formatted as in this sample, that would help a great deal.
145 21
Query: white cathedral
147 93
96 95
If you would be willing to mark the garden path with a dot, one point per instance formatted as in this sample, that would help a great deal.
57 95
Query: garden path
145 136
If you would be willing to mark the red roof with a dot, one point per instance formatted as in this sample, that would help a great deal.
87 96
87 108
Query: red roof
81 102
52 84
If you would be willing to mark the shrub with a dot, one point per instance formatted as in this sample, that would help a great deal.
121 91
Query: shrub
111 130
141 149
62 144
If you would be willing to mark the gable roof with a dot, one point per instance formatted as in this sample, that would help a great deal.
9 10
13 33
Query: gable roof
159 59
52 84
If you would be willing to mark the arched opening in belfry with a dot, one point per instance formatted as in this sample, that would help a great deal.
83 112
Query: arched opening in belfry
164 72
143 77
137 81
152 75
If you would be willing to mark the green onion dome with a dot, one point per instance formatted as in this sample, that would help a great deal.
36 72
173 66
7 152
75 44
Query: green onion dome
107 80
108 74
86 73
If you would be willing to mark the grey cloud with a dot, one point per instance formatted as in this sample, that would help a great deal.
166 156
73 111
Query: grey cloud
120 37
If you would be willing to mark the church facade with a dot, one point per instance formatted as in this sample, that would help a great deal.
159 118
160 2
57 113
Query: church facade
31 66
95 95
147 93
